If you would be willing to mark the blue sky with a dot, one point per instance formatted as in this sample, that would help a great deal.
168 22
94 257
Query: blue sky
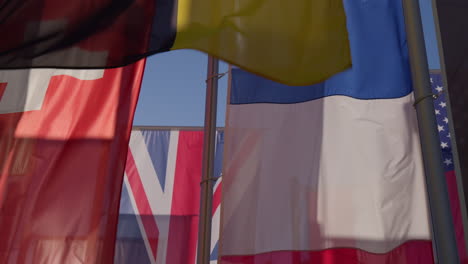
173 89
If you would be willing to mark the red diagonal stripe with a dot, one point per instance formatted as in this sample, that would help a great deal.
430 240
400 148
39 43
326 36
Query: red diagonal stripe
182 242
216 198
142 203
2 89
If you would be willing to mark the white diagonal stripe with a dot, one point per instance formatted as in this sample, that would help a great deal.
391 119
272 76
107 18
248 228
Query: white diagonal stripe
164 220
160 201
138 217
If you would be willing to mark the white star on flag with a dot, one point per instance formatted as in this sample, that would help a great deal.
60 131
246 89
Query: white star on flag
444 145
439 89
446 120
448 161
437 112
443 104
440 128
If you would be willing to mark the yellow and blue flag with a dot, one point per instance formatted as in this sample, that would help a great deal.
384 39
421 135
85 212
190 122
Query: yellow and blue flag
296 42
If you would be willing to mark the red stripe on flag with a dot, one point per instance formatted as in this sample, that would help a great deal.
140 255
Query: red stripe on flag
411 252
216 198
142 203
456 214
183 228
2 89
63 168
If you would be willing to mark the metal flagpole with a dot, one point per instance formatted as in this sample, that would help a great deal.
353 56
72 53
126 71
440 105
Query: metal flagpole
456 159
441 216
206 197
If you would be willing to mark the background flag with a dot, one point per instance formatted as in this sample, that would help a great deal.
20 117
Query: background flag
452 27
64 136
331 173
440 105
158 221
301 42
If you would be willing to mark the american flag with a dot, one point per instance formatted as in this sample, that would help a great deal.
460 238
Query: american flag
440 105
158 221
440 108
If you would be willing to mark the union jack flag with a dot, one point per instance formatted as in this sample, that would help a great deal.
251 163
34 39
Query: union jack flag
158 221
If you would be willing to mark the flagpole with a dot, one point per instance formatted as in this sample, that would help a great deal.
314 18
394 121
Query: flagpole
206 196
441 216
456 159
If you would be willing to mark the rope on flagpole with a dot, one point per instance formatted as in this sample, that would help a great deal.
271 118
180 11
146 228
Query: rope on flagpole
217 76
207 180
420 99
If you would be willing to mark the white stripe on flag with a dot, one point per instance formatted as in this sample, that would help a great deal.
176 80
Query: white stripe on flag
217 183
332 172
215 220
138 217
160 201
169 187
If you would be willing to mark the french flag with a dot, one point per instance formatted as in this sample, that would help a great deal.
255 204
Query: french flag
330 173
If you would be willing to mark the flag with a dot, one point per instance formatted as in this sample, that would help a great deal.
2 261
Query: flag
158 219
443 125
330 173
301 42
451 26
64 136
